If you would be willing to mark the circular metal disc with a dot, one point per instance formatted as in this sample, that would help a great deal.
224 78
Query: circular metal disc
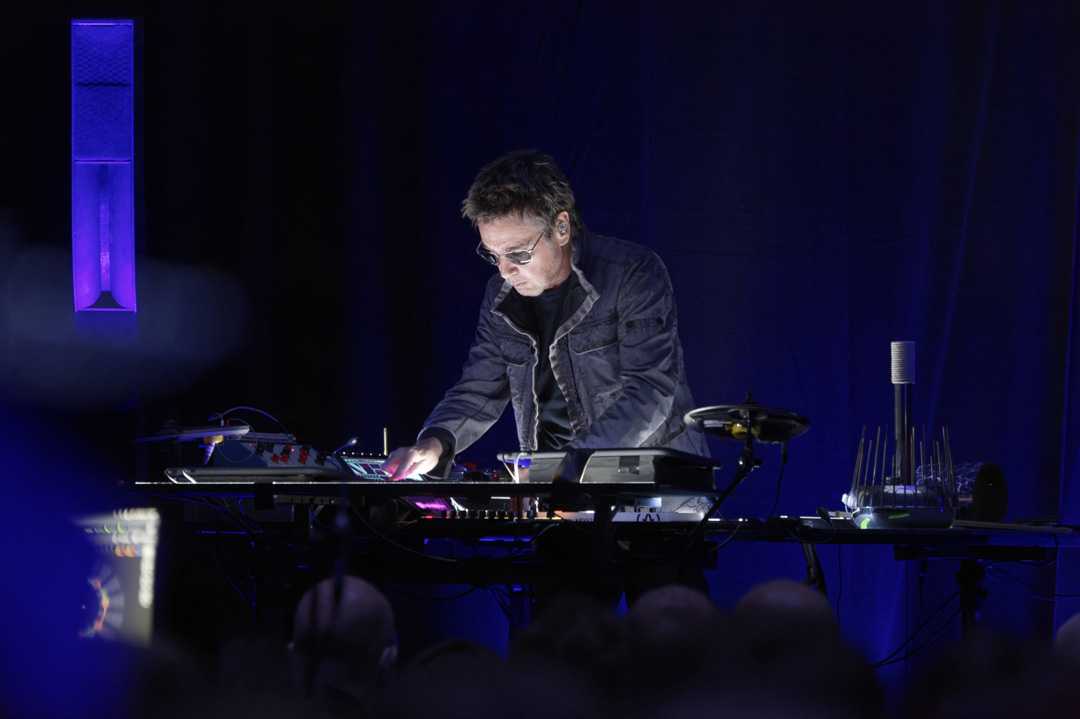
733 421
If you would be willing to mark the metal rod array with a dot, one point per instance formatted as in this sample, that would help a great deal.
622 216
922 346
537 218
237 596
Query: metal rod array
876 480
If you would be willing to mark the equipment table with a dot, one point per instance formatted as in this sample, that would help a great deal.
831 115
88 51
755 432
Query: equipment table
507 539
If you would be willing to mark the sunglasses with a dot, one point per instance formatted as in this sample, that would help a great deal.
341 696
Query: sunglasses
518 257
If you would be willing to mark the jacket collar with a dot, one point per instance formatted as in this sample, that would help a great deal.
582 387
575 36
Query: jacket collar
581 262
510 306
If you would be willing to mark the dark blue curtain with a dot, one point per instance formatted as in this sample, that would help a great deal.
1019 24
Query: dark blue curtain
820 179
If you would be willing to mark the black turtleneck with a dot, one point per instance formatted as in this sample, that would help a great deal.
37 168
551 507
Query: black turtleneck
544 314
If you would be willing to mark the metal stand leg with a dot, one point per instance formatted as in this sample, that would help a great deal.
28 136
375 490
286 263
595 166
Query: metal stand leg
815 575
520 609
969 579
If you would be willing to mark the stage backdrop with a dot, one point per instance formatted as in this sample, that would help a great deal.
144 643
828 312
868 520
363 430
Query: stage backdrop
820 179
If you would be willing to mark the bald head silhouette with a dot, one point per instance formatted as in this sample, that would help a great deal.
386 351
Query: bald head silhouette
343 637
787 599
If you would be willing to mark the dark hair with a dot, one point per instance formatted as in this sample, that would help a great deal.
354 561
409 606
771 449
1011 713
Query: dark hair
523 183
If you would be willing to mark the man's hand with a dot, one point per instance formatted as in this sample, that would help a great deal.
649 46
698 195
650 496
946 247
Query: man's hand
417 459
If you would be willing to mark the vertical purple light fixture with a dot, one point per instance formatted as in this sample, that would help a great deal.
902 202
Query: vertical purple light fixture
102 164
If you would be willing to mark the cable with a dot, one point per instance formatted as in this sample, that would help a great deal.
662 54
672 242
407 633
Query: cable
930 618
238 516
227 575
401 546
246 408
209 503
839 580
220 454
517 553
730 537
999 573
934 638
225 572
779 480
699 528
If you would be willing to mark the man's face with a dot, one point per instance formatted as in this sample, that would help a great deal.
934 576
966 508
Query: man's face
550 264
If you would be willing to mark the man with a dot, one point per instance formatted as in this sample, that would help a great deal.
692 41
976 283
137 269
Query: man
577 331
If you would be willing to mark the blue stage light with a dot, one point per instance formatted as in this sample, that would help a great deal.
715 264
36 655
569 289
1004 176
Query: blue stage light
102 158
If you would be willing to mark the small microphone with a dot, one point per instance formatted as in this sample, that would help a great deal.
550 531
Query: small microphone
902 366
351 441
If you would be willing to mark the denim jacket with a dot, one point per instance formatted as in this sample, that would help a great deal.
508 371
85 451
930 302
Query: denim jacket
617 359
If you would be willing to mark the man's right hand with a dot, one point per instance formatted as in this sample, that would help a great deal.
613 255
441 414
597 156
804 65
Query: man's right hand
420 458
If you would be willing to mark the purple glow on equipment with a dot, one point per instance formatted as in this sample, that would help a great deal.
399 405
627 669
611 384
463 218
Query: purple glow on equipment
102 157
